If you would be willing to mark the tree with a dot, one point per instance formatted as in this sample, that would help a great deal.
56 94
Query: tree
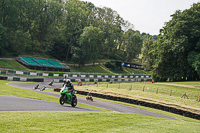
21 43
54 27
91 41
3 40
194 58
76 20
110 22
146 54
172 52
133 44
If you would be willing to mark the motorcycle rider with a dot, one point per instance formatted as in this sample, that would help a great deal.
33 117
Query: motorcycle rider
69 84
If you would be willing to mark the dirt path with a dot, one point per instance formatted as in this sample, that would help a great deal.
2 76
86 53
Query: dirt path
188 86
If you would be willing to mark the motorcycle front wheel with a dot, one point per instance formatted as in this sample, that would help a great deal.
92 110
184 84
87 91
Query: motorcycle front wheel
62 99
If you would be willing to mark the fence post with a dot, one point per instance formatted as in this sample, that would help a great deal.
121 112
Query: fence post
119 85
143 88
130 87
198 97
107 85
157 91
171 93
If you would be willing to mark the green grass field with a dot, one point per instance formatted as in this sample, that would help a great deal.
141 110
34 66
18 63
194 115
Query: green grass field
136 71
155 93
88 69
12 64
91 122
194 83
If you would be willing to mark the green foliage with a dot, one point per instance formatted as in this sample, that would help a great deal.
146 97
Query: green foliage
133 41
21 43
67 30
194 58
109 64
146 54
90 42
3 40
174 54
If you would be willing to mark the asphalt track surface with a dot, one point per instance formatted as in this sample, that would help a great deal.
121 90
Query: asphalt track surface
9 103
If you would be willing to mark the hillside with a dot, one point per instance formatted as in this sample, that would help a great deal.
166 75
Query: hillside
98 68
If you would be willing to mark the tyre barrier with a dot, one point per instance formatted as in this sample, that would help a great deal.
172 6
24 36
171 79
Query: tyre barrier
142 103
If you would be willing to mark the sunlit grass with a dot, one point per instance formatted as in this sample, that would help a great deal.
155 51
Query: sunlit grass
152 93
91 122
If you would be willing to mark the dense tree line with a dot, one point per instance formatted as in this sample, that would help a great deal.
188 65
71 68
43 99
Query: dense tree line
66 30
79 31
175 54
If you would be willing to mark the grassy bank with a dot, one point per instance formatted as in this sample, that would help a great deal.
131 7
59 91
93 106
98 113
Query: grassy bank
13 64
91 122
155 93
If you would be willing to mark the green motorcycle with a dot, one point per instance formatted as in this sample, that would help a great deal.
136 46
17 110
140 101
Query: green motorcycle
67 97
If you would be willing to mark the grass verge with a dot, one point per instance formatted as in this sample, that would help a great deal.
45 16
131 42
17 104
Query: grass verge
150 94
90 122
12 64
148 109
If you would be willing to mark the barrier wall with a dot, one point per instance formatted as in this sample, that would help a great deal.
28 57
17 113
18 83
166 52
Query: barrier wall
24 79
98 76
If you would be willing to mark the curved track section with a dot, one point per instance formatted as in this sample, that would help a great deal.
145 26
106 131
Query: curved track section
12 103
102 104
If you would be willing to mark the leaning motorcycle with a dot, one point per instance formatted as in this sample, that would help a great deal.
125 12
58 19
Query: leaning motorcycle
67 97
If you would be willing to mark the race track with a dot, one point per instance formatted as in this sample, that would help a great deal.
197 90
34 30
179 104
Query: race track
12 103
40 105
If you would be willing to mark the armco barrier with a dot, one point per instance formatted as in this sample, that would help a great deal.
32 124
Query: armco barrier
22 79
143 103
3 78
36 79
78 75
103 80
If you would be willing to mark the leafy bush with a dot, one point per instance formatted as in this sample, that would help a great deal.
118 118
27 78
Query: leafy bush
108 64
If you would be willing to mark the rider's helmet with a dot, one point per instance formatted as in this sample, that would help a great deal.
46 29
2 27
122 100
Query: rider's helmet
68 82
65 80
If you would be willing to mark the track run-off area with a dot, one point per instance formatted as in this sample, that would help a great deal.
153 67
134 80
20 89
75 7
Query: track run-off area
13 103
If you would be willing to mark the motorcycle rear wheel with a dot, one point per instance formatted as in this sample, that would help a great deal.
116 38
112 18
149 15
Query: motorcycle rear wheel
74 102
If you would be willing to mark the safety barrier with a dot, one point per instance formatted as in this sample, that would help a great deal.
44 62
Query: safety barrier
143 103
106 76
22 79
72 79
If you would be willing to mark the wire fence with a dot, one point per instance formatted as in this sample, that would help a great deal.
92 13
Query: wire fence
180 92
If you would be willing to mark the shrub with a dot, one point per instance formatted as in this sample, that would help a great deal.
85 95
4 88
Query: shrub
108 64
